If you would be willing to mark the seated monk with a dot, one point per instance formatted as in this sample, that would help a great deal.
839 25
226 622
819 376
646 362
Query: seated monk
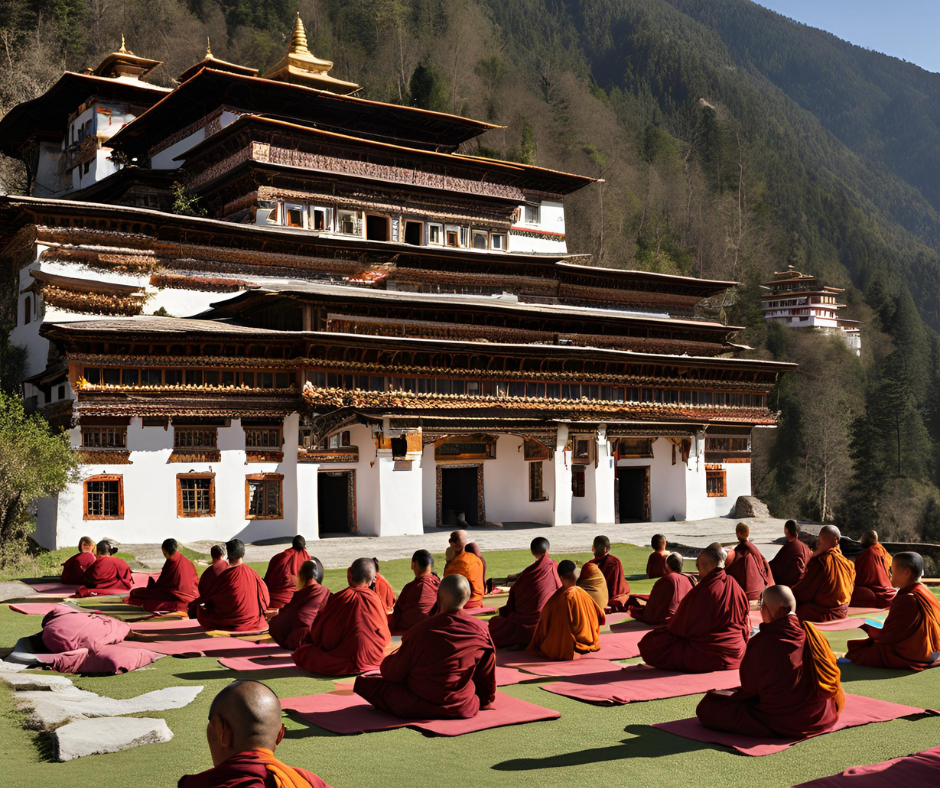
789 564
790 682
217 567
106 576
910 637
445 668
592 581
750 568
244 730
663 601
570 623
872 574
473 547
281 577
291 625
419 597
237 598
825 590
73 570
657 559
710 627
383 588
618 589
518 618
467 564
176 587
350 634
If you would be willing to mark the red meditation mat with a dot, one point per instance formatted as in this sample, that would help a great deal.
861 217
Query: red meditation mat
53 588
858 710
348 714
921 770
635 683
282 661
486 610
201 647
43 608
168 624
617 618
866 611
836 625
574 667
629 625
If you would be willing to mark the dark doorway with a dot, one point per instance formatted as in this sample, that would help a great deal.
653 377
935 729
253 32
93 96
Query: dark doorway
459 497
633 491
334 505
413 233
376 228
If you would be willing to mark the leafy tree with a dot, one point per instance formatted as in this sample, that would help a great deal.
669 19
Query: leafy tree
527 147
185 203
428 88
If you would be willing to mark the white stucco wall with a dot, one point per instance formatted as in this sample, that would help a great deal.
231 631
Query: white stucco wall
506 485
399 495
561 494
667 482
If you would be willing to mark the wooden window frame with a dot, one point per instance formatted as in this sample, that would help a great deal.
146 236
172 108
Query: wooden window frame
293 206
716 473
578 488
179 494
536 482
486 239
95 428
120 491
502 243
268 478
257 428
439 226
183 429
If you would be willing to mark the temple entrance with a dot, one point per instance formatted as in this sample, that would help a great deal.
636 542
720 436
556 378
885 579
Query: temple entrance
459 497
336 502
633 493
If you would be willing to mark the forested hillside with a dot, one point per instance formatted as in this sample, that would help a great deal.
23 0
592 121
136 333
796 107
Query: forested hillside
731 142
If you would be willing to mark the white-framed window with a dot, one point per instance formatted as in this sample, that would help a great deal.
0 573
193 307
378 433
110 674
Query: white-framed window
533 214
464 237
498 242
349 222
481 239
452 235
294 215
320 218
435 234
269 212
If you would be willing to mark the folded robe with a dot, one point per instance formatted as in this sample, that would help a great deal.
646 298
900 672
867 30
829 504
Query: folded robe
250 769
910 637
518 618
872 579
73 570
281 576
349 635
592 580
68 630
618 589
663 600
708 632
384 591
445 669
106 576
826 588
471 567
789 564
293 622
415 603
174 590
750 569
235 602
570 624
656 564
207 578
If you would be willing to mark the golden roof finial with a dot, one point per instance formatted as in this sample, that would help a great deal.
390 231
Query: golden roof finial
123 48
208 47
298 38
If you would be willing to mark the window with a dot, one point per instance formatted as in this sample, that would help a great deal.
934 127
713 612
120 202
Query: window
263 438
195 437
456 236
532 214
377 228
104 498
61 392
294 215
577 481
413 233
582 449
195 495
263 497
715 483
349 222
480 239
498 242
104 437
321 219
268 212
27 310
436 234
399 447
536 493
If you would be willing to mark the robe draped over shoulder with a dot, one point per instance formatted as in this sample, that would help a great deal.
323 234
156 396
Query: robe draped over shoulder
291 626
656 564
663 600
174 590
73 570
570 624
750 569
789 564
385 592
518 618
211 572
872 579
825 590
235 601
253 769
106 576
281 576
592 580
471 567
618 589
415 603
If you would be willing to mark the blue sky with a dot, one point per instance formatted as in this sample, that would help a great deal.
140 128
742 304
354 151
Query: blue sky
908 29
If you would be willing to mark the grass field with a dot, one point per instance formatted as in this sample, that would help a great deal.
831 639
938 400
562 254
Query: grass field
589 745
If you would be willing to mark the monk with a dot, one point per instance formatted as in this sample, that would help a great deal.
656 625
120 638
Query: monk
291 625
467 564
217 567
73 570
910 637
618 589
664 598
710 627
657 559
350 634
445 668
571 621
872 574
176 587
107 576
750 568
790 682
281 577
244 730
789 564
419 597
592 581
383 589
473 547
236 599
825 590
518 618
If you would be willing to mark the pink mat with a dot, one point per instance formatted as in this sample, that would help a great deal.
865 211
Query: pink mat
617 618
866 611
282 661
348 714
42 608
858 711
629 625
53 588
169 624
635 683
921 770
837 625
575 667
486 610
201 647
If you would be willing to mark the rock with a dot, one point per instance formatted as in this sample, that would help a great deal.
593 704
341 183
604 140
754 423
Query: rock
36 681
749 506
11 667
107 734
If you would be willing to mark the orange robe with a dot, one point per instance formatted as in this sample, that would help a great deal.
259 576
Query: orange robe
73 570
415 604
252 769
593 581
349 635
872 579
106 576
618 589
663 600
910 637
281 577
518 618
385 592
825 590
234 602
570 624
789 564
174 590
471 567
750 569
656 564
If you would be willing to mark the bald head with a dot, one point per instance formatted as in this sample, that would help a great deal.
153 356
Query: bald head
710 559
829 537
906 569
742 531
362 572
869 539
245 715
104 547
539 546
170 547
298 543
791 529
453 594
600 546
566 573
458 540
674 563
776 602
307 574
658 542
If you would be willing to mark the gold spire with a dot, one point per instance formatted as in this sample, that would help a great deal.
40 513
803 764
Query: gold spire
301 67
298 38
124 50
208 47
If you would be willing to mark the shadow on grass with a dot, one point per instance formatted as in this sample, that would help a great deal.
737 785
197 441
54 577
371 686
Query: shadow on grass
307 731
221 672
860 673
647 743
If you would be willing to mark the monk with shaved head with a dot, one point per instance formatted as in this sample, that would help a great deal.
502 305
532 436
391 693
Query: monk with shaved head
237 598
789 564
175 589
518 618
73 570
571 620
291 625
790 685
218 566
825 590
656 563
663 601
244 730
750 568
419 597
872 574
106 576
467 564
618 589
350 633
445 668
281 577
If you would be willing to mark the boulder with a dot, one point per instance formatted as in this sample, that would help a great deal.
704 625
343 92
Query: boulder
749 506
107 734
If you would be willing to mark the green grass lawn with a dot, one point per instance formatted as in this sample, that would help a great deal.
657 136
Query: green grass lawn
589 745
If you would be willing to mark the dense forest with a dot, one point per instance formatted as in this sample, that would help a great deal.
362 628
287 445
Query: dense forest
731 141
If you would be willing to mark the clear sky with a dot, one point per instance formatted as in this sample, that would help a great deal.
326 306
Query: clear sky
907 29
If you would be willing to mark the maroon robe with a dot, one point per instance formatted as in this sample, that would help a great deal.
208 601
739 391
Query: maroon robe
106 576
750 569
176 587
350 635
73 570
872 584
708 632
384 591
789 564
656 564
281 577
415 603
663 600
618 589
235 602
518 618
244 770
445 669
207 578
777 697
292 624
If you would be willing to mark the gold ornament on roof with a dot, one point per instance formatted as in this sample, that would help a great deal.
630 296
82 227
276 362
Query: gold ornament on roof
301 67
124 50
298 38
208 47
